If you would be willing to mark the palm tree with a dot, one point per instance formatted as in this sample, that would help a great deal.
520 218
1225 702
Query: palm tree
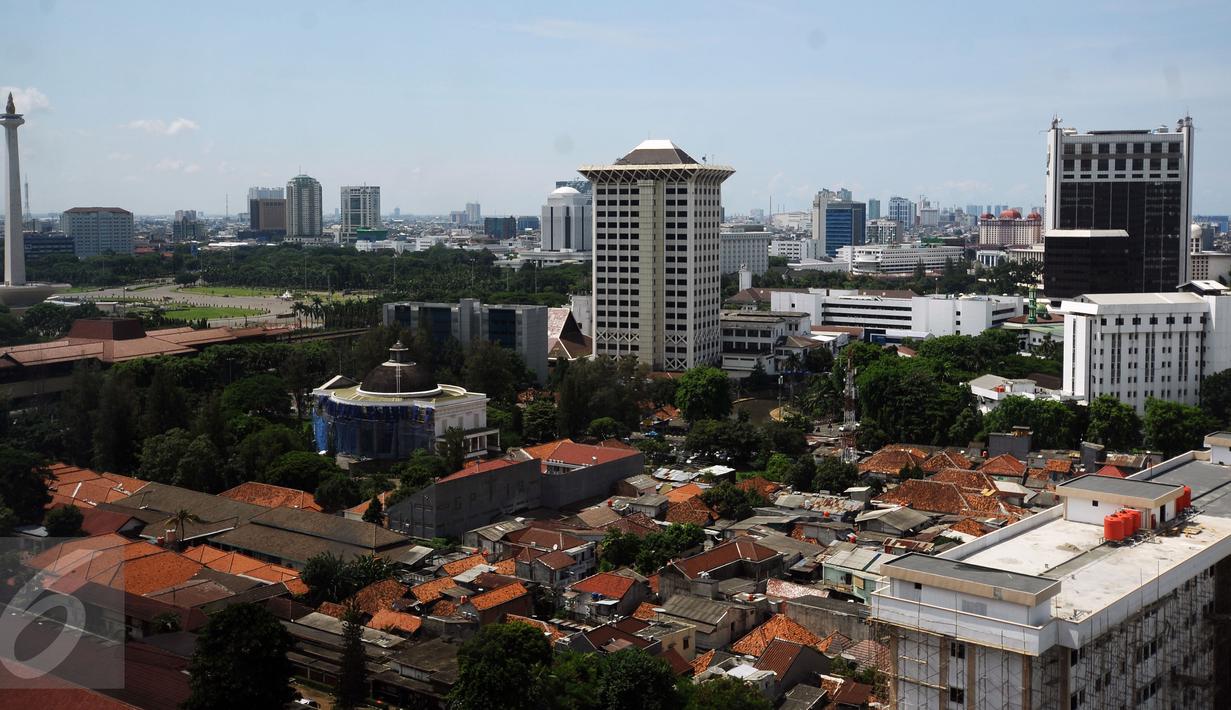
181 518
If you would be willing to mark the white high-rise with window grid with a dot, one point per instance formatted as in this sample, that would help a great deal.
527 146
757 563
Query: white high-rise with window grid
656 278
360 210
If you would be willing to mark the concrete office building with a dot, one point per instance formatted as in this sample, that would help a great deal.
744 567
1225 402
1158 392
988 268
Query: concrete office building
874 208
898 258
751 337
657 281
267 214
500 228
567 220
794 250
360 210
744 245
899 314
474 214
902 210
1060 610
98 230
520 328
1135 346
1139 181
883 231
1208 265
44 243
186 227
1077 261
845 226
1010 229
303 209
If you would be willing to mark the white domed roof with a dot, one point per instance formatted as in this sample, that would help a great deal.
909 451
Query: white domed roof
566 190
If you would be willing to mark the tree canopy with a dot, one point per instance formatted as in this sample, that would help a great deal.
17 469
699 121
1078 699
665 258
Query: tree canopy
240 661
704 392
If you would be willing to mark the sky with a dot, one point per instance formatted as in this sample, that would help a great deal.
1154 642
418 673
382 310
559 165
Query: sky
159 106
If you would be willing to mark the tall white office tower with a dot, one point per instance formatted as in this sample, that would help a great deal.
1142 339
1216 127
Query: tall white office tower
360 210
656 280
567 220
14 242
303 208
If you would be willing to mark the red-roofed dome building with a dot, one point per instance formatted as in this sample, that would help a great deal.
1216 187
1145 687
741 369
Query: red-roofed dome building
1010 229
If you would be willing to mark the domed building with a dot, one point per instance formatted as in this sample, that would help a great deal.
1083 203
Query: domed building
397 407
566 221
1010 229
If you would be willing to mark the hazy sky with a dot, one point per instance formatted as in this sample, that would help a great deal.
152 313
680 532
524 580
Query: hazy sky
158 106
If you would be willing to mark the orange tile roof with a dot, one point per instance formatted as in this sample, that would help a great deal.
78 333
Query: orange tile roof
544 539
1003 465
783 589
1058 465
335 610
645 611
570 452
270 496
379 596
359 510
692 510
759 485
431 591
722 555
473 468
964 479
82 486
456 567
242 565
949 499
968 527
386 619
444 607
890 460
779 626
683 493
550 630
946 459
556 560
507 567
607 584
1109 470
702 662
653 580
496 597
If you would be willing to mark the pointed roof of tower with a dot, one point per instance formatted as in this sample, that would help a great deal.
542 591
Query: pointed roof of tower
656 152
10 108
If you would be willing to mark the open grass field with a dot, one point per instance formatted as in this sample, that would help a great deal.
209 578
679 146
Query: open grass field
210 313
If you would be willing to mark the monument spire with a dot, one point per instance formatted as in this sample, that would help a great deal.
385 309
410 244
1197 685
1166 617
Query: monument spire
14 242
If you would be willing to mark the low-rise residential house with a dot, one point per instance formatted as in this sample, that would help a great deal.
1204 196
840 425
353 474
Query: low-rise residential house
897 521
488 537
888 462
270 496
490 607
636 486
428 671
700 574
854 572
778 626
946 459
944 498
552 557
791 663
717 623
607 594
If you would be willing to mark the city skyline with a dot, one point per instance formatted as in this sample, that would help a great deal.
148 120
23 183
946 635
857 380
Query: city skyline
951 106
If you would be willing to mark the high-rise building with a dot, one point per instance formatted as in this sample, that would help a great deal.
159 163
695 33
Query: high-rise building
303 208
1010 229
98 230
267 214
657 286
500 227
902 211
585 187
186 227
757 215
1077 261
567 220
265 193
845 226
1138 181
530 222
874 208
883 231
845 194
360 210
745 246
474 215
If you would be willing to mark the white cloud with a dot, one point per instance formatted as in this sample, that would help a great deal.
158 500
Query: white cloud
170 165
27 100
161 127
117 156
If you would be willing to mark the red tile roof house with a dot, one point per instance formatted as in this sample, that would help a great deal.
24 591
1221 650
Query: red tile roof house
700 574
552 557
887 463
607 594
574 472
490 607
792 663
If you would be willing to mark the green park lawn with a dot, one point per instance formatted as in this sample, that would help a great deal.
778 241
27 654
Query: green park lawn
210 312
228 291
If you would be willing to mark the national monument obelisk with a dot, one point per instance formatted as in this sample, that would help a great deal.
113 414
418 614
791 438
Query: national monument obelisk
14 243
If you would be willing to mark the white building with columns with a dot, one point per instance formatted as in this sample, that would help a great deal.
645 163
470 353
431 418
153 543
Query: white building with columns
656 277
567 221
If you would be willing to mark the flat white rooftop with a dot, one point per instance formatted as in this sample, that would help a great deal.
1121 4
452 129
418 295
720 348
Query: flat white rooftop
1094 575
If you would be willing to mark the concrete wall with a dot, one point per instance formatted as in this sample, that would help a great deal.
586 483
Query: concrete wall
564 489
821 618
449 508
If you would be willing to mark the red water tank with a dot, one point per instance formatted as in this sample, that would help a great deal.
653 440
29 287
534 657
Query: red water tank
1111 528
1126 524
1186 499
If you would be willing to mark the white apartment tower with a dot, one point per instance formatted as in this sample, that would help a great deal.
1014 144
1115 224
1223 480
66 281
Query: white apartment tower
656 278
567 220
360 210
303 208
